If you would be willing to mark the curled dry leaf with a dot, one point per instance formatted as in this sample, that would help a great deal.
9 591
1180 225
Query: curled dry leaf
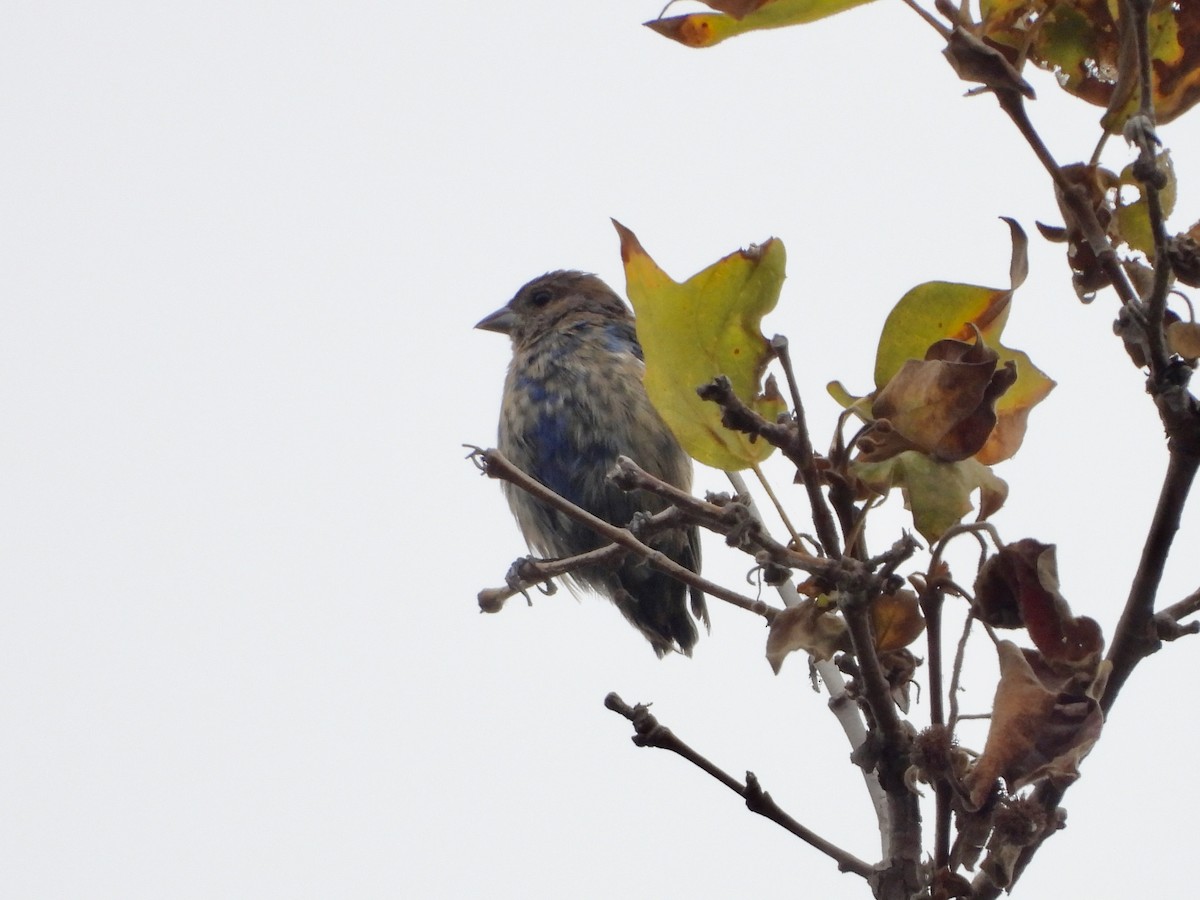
1043 724
1184 252
943 405
1096 185
810 626
975 61
896 619
1018 586
1184 338
899 668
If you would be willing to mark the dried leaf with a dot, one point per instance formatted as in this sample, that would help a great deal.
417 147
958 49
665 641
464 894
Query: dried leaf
938 311
1184 339
1080 41
975 61
896 619
945 404
810 626
1041 727
1097 185
1018 586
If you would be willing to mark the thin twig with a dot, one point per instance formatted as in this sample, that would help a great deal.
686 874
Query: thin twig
955 675
844 709
1093 232
649 733
1139 129
496 465
822 517
775 501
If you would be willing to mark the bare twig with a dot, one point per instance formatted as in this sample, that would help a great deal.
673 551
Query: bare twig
956 674
649 733
1181 609
1139 130
822 517
496 465
1093 232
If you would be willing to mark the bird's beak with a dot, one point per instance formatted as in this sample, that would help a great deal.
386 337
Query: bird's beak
501 321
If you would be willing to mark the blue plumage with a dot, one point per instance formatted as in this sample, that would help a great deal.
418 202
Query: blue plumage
573 402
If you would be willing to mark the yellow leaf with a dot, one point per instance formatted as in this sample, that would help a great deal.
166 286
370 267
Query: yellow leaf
1133 218
734 17
707 326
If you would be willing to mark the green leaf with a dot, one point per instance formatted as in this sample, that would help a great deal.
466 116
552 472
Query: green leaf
707 326
937 493
1133 218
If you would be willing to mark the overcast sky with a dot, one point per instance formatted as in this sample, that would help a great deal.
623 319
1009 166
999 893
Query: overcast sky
244 246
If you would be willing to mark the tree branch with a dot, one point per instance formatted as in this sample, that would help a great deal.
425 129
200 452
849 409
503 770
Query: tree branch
649 733
1136 636
811 478
495 465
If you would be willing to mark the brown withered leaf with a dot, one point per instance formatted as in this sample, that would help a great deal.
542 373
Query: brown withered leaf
899 668
1019 587
1184 252
949 885
1042 724
896 619
945 404
808 626
1184 338
975 61
1096 186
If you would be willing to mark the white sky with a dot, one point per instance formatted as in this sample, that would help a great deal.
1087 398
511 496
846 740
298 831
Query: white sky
244 246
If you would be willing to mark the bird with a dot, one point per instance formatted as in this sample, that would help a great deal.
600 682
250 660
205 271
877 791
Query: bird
573 402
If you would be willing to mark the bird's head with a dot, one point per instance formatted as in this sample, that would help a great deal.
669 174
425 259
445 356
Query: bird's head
552 300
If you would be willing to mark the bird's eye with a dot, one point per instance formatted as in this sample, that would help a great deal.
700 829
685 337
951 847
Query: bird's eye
541 297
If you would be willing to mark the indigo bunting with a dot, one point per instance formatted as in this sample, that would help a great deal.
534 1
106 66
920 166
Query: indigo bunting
573 402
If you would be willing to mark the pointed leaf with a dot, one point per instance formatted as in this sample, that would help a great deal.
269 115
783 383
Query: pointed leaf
736 17
707 326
